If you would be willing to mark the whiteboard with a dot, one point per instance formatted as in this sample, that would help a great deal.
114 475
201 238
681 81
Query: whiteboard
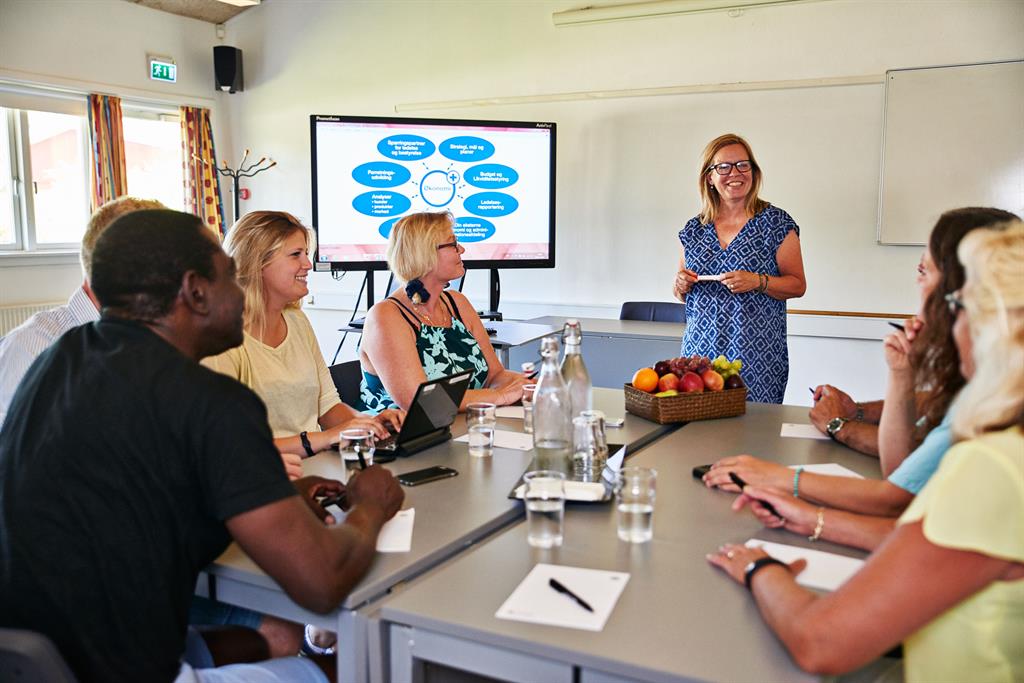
953 136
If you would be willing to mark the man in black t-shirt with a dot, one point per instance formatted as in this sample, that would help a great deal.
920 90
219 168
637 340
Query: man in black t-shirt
126 467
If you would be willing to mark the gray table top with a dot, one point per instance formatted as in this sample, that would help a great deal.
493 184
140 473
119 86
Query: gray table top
451 513
634 329
516 333
678 617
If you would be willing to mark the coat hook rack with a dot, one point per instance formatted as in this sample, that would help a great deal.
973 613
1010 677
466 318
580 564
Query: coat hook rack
241 171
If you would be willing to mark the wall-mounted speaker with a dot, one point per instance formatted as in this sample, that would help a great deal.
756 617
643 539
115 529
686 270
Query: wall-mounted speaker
227 69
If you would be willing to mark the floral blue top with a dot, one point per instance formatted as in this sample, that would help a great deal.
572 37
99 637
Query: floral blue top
443 351
750 326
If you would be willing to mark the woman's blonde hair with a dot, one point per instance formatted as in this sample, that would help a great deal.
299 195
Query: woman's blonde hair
412 246
710 201
253 242
993 297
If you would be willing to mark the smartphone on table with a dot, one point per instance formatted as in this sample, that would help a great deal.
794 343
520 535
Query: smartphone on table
417 477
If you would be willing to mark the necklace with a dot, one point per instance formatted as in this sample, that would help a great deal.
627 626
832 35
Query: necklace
423 314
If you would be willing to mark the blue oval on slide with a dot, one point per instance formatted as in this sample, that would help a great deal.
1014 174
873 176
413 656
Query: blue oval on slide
491 204
472 229
466 148
381 203
490 176
385 227
381 174
405 147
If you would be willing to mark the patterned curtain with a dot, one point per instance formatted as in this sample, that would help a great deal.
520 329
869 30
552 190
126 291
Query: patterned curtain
107 177
202 183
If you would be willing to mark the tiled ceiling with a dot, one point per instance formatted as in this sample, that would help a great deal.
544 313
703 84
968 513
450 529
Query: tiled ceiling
212 11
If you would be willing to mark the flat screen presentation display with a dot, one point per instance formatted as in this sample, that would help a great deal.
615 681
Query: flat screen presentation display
496 178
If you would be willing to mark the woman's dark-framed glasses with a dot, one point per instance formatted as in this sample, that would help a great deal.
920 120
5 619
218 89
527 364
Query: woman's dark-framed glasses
454 244
725 168
955 302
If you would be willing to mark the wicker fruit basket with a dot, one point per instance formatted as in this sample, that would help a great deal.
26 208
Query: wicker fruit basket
707 405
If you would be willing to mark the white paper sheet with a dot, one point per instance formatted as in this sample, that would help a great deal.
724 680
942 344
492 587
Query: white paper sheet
536 602
801 431
831 468
513 412
517 441
825 571
613 465
704 278
396 534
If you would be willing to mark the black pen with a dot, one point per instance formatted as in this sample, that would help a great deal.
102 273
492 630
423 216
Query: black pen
362 460
557 585
742 484
897 326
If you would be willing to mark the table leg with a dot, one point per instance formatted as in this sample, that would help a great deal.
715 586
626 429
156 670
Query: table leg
352 642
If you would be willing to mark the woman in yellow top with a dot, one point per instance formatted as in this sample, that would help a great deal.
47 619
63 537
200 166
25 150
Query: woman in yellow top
280 358
949 581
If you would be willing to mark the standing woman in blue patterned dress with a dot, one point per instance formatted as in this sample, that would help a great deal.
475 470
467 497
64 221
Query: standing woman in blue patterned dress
754 250
423 331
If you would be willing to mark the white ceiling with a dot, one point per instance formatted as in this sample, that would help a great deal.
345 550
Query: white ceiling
212 11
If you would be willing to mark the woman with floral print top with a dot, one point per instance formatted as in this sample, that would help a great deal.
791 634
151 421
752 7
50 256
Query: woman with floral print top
425 332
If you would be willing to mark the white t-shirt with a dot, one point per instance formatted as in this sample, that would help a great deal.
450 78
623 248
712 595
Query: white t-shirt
292 379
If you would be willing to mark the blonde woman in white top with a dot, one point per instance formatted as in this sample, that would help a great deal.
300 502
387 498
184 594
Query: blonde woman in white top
280 359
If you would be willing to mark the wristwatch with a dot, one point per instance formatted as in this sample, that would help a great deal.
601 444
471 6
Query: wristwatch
834 425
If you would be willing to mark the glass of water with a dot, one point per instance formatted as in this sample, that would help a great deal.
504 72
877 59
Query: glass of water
545 508
480 421
356 442
590 449
634 498
528 390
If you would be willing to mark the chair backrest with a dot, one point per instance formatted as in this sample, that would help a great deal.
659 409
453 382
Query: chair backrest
347 377
655 311
31 657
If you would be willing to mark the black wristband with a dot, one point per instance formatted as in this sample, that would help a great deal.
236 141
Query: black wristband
757 565
308 447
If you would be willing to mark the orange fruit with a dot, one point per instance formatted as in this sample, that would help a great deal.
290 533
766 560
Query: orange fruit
646 379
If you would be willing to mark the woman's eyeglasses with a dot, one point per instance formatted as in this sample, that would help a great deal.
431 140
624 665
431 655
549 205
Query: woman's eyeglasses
955 302
725 168
454 244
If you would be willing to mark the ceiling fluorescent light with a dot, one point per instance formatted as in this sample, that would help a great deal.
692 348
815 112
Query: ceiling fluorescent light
594 14
240 3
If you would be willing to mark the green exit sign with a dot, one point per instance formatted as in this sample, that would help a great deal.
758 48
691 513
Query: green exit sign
162 69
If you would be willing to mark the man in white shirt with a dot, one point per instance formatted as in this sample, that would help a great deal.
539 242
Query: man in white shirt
24 343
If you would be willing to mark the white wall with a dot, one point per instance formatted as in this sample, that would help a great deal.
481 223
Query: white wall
98 46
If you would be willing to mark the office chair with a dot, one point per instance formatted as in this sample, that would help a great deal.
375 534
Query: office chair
347 377
31 657
654 311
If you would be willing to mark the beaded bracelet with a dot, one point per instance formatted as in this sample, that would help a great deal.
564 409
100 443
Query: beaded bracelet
764 282
796 482
819 527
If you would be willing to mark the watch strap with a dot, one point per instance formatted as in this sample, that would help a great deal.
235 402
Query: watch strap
757 565
306 446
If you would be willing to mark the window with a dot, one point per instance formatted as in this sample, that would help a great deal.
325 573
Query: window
152 151
44 166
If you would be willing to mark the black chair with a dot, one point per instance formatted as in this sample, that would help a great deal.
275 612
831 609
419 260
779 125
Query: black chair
31 657
654 311
347 377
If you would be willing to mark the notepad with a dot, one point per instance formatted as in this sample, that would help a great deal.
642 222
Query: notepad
830 468
535 602
516 441
512 412
801 431
396 534
825 571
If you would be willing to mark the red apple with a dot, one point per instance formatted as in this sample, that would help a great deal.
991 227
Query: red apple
668 381
691 383
712 380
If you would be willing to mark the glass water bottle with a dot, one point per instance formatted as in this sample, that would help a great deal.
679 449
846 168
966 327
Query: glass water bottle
552 420
574 370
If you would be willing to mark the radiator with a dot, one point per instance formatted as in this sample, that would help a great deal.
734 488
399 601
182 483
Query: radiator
12 316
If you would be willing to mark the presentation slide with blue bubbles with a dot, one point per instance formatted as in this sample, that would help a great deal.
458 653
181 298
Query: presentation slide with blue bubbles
495 182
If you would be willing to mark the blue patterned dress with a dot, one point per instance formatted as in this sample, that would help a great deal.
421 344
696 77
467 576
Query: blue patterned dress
443 351
749 326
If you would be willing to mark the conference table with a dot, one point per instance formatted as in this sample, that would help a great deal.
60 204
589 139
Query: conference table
678 619
451 515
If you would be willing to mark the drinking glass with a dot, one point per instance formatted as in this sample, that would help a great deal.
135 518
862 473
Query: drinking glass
545 508
634 498
528 390
480 421
590 448
355 442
